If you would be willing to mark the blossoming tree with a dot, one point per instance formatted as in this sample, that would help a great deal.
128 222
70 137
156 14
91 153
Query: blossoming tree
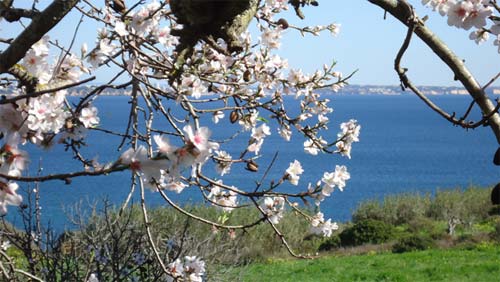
196 57
191 55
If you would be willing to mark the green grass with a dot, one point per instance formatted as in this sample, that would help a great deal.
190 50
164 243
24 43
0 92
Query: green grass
479 264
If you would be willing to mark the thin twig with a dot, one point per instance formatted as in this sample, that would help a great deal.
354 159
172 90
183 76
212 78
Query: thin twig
148 229
406 82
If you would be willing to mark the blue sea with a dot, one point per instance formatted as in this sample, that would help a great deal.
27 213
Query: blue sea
405 147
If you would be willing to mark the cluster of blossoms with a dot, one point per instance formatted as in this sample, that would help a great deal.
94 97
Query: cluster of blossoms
190 268
467 14
348 135
321 227
257 79
273 208
225 199
41 118
12 162
246 87
330 180
163 171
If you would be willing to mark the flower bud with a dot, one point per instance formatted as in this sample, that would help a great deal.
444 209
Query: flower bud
252 166
247 75
234 116
69 124
283 23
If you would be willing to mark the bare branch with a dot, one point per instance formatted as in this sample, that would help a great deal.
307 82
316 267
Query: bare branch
403 11
38 27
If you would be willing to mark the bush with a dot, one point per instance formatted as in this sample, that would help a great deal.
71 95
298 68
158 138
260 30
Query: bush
413 243
395 210
427 227
495 210
469 206
330 243
496 234
367 231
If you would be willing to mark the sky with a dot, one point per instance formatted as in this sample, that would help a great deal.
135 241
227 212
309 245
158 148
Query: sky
367 44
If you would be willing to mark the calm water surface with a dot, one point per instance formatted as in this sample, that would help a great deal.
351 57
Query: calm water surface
405 147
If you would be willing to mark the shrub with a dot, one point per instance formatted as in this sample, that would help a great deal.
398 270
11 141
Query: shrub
469 206
496 234
370 209
495 210
427 227
395 210
367 231
413 243
330 243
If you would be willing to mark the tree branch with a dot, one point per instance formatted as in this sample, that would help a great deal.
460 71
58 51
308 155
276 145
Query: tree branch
403 11
406 83
38 27
14 14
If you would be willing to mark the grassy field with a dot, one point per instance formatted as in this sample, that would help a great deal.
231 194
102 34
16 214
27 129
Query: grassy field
479 264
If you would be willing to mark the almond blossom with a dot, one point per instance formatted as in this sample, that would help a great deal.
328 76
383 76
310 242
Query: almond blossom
258 135
192 86
190 268
121 28
349 134
313 147
200 139
170 184
165 38
271 37
164 146
334 179
225 199
321 227
293 172
12 159
223 162
88 116
458 12
479 36
149 170
9 196
273 208
218 115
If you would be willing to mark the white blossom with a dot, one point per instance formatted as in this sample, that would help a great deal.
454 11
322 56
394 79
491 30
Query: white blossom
479 36
88 116
121 28
321 227
218 115
223 162
271 37
9 196
294 171
225 199
273 208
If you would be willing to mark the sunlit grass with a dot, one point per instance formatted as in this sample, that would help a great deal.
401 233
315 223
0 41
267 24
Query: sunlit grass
479 264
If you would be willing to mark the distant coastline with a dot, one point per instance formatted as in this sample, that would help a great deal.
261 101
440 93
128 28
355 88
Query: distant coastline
394 90
362 90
